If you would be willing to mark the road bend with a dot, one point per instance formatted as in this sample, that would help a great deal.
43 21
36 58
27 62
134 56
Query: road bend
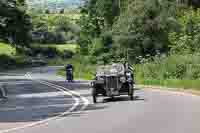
150 112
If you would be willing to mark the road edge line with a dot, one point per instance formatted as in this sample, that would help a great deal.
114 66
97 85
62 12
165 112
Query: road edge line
175 91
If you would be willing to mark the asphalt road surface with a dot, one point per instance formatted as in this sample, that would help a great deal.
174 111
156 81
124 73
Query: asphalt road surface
41 102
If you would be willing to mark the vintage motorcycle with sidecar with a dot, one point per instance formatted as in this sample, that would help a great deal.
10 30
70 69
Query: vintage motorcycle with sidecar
113 80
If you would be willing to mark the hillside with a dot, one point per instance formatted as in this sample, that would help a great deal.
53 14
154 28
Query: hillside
54 4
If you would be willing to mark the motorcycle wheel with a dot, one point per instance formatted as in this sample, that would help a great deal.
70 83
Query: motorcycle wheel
131 92
94 95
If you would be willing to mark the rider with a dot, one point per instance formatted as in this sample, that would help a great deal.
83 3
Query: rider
129 68
69 72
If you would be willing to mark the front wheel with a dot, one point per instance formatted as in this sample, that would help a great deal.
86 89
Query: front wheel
131 91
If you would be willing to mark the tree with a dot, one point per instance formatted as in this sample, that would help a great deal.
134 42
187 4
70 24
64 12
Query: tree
47 11
15 23
97 17
145 25
62 11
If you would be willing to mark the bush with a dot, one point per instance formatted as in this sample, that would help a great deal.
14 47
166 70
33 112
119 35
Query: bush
172 67
187 40
67 54
49 52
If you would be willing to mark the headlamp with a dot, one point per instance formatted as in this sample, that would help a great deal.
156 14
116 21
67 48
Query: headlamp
122 79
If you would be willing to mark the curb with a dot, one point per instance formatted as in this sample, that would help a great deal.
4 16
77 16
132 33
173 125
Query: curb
178 91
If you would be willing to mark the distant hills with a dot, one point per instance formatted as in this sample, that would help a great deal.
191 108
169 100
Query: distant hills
54 4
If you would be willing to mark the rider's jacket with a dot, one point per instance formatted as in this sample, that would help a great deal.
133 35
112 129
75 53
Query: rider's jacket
69 67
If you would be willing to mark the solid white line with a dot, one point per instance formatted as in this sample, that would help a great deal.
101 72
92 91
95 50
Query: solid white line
77 102
85 100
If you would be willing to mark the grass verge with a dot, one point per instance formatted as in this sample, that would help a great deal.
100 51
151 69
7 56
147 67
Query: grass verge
82 69
174 71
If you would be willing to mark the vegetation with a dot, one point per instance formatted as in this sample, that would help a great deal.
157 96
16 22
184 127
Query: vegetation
180 66
6 49
51 28
60 47
14 22
162 37
174 71
83 69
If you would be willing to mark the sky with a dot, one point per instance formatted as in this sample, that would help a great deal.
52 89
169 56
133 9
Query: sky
52 3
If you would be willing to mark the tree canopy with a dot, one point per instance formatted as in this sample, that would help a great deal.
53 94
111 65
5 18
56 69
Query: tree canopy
15 23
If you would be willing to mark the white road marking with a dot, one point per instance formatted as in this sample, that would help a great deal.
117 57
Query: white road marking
3 91
28 75
85 100
67 92
76 96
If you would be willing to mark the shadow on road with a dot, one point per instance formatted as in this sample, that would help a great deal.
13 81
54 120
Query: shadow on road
122 98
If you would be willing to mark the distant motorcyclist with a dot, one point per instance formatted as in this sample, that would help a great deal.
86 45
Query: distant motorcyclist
69 73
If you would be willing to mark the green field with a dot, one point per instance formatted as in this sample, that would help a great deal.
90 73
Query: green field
6 49
60 47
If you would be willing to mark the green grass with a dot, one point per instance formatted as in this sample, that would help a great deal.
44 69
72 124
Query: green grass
174 71
60 47
71 47
83 69
6 49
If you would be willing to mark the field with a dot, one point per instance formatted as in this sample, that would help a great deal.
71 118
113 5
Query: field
60 47
6 49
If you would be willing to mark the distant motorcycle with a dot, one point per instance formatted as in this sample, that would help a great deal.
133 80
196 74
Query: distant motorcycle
69 73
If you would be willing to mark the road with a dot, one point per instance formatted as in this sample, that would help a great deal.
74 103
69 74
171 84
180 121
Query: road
41 102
